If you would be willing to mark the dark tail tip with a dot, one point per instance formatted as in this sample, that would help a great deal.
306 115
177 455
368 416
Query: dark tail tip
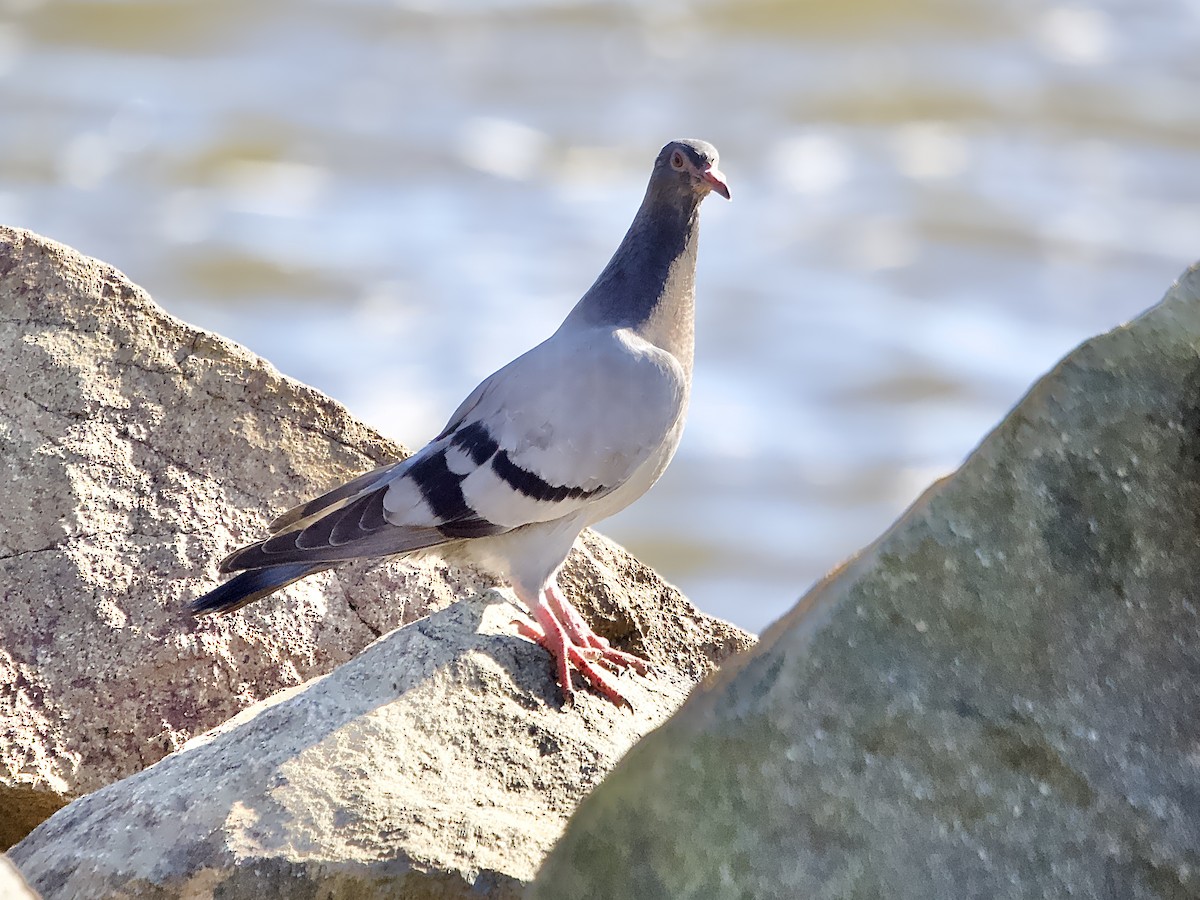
250 586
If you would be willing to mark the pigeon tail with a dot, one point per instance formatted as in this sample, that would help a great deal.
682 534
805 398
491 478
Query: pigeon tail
250 586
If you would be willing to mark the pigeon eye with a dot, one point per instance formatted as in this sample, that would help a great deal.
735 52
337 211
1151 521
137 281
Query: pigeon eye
677 160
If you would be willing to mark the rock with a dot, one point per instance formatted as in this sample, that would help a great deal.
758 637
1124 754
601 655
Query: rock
141 449
999 698
436 763
12 885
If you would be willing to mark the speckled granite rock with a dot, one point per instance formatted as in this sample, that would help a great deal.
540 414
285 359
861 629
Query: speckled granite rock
140 450
436 763
999 698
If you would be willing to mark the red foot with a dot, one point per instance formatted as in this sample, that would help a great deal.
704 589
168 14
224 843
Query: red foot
569 640
583 635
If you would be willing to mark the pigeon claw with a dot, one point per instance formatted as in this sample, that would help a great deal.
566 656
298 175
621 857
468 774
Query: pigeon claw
572 644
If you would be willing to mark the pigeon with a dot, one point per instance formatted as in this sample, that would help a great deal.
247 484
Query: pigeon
563 436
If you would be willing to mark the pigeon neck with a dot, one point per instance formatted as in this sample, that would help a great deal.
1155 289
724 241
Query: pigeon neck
649 284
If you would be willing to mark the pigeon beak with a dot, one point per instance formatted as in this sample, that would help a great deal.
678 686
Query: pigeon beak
715 181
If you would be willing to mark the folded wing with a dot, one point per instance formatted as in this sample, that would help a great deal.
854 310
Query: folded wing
559 428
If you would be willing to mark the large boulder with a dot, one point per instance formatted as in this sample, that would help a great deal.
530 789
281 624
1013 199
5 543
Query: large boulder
999 698
436 763
139 450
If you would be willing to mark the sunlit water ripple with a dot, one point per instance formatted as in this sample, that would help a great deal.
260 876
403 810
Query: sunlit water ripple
933 201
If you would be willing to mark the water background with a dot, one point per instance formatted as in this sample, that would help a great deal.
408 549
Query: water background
934 200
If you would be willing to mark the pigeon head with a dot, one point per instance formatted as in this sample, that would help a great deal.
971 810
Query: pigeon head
691 165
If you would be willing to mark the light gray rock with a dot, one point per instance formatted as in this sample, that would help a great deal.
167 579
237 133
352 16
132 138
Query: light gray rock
139 450
435 764
999 698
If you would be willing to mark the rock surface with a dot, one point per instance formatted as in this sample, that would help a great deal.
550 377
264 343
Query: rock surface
999 698
140 450
435 764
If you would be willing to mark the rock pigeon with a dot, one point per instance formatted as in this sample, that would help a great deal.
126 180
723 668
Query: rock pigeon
563 436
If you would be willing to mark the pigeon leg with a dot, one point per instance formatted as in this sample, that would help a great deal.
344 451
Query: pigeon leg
583 636
571 643
568 651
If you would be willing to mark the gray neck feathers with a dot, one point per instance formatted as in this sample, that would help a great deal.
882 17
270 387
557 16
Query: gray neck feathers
649 284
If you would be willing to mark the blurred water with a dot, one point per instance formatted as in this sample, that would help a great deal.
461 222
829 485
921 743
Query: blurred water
933 201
